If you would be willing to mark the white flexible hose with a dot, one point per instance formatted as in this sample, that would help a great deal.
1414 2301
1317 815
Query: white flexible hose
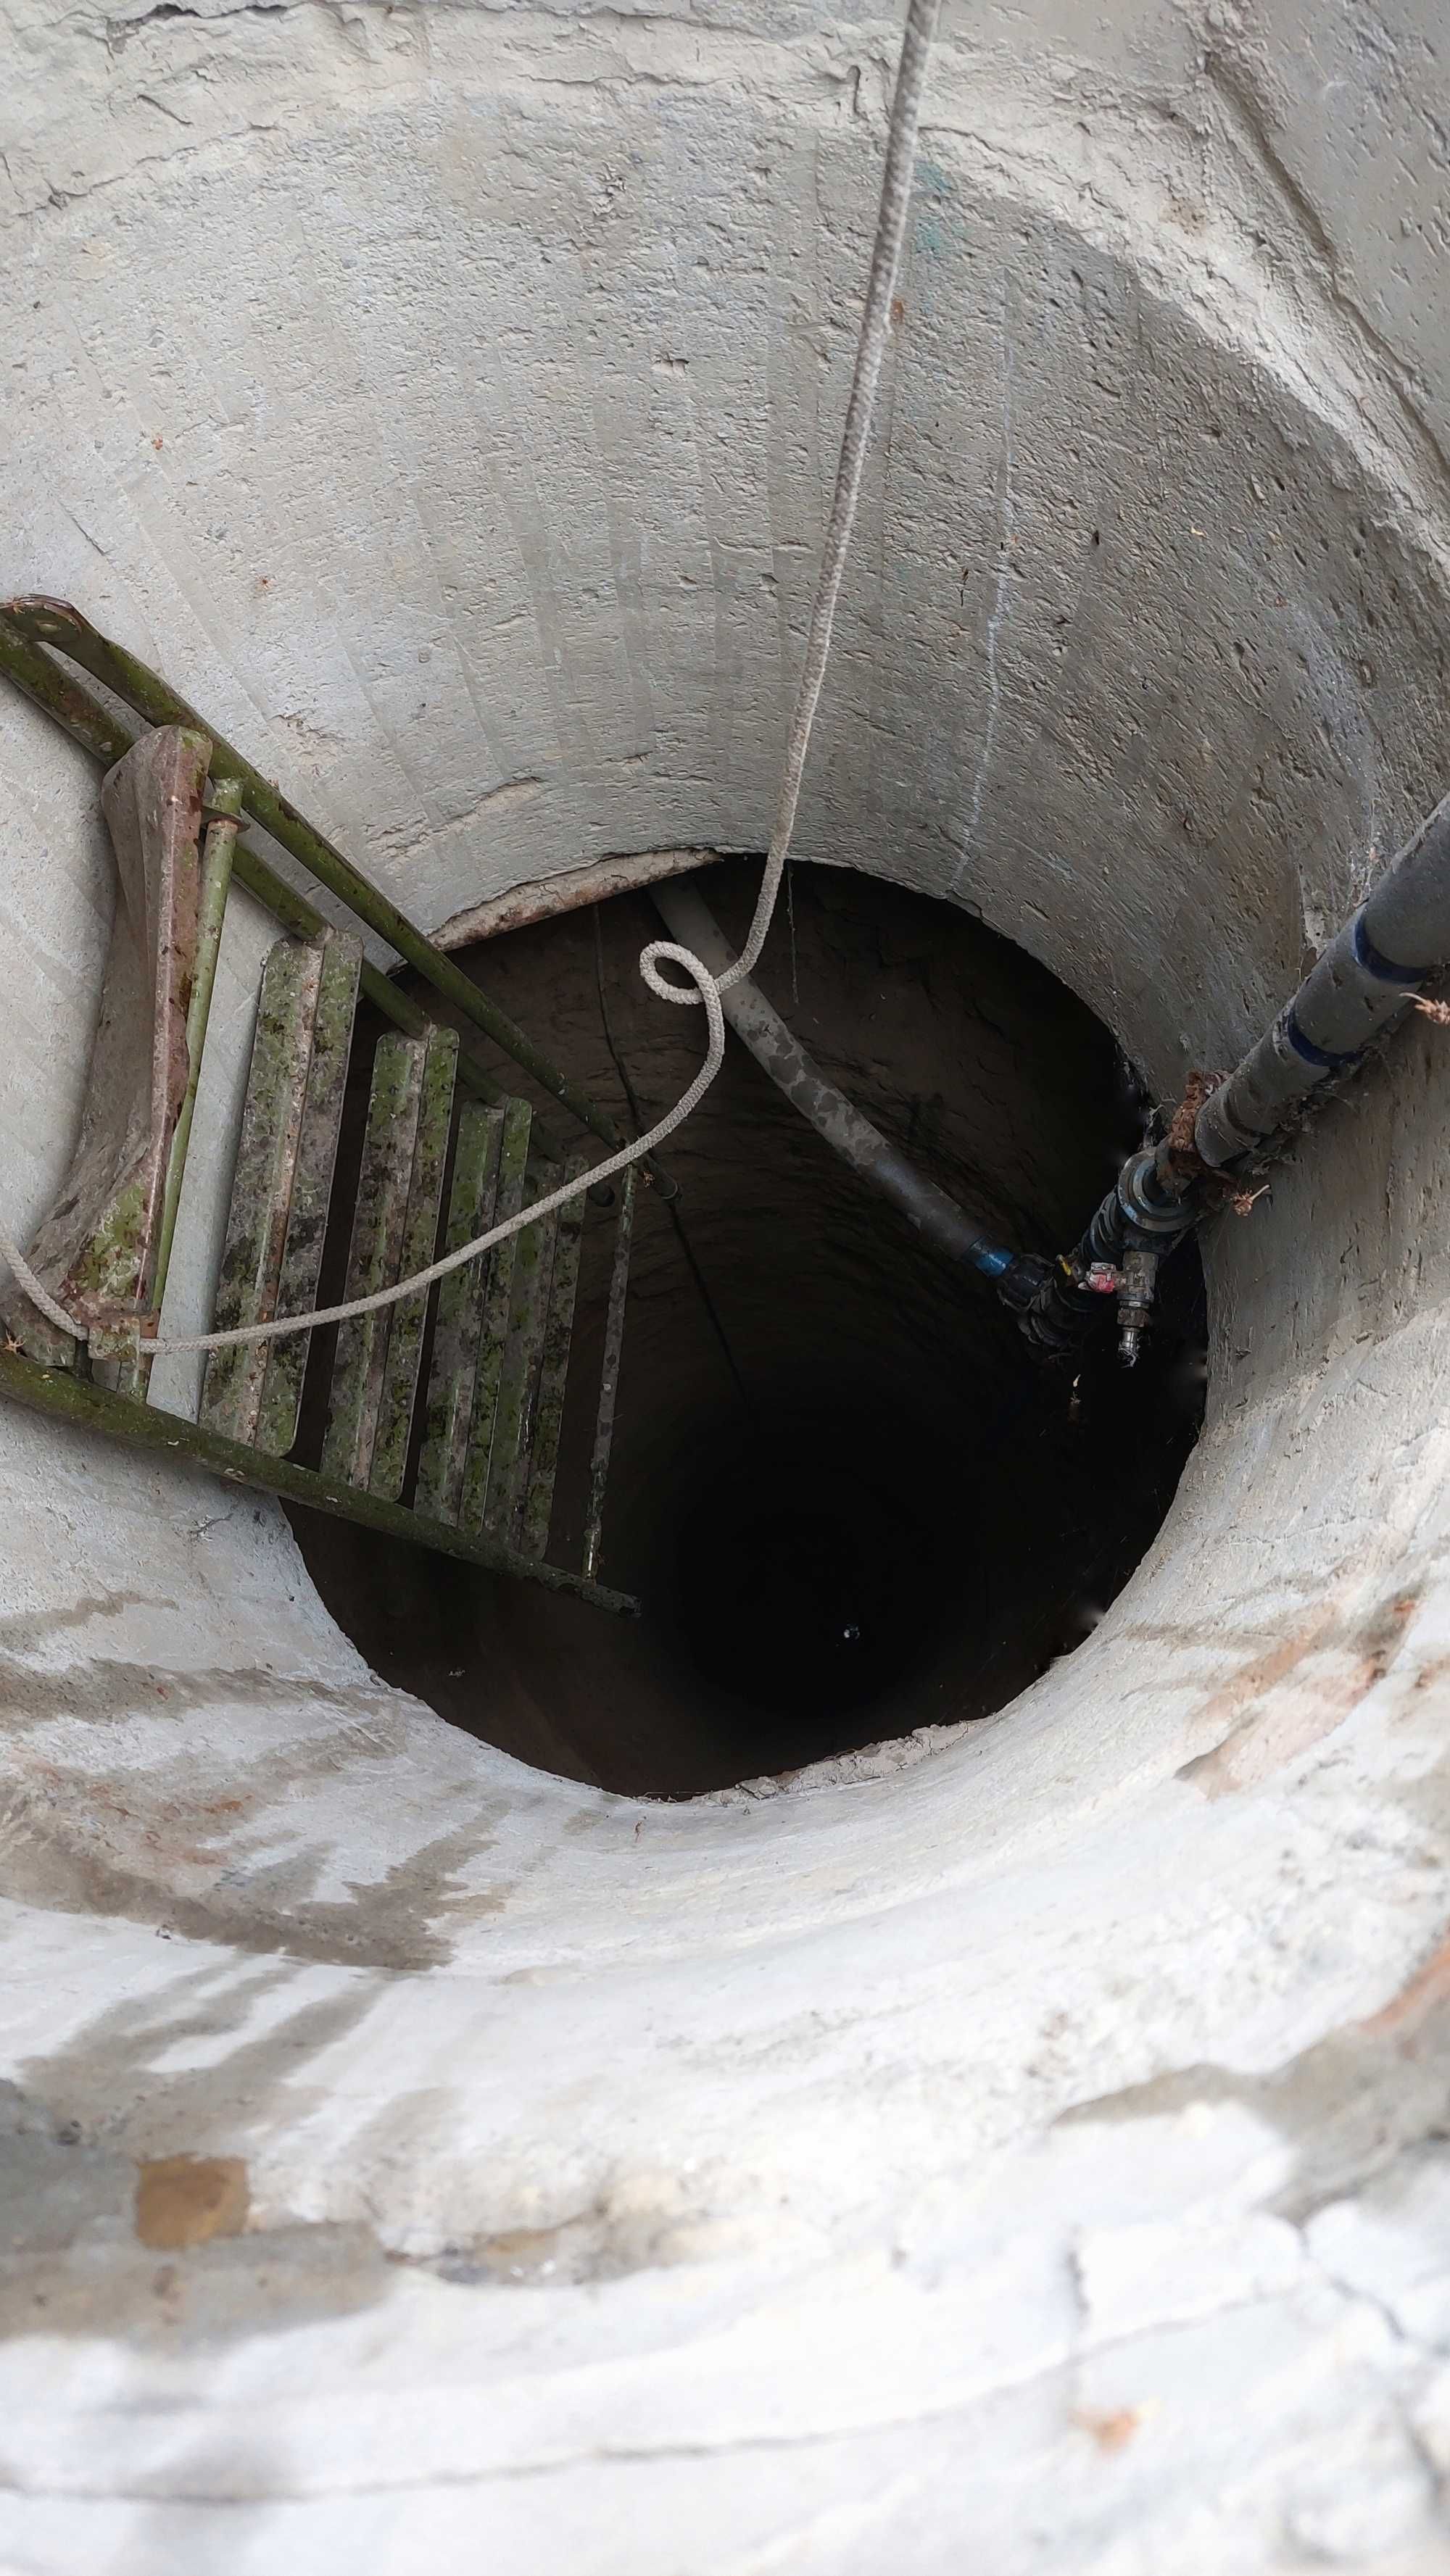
702 986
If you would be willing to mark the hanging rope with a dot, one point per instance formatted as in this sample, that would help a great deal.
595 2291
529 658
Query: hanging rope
38 1295
672 1208
701 988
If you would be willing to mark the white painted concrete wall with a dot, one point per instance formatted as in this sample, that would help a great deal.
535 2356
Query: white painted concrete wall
1028 2157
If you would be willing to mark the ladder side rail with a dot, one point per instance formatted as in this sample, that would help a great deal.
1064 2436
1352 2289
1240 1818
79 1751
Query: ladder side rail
99 731
63 1396
56 623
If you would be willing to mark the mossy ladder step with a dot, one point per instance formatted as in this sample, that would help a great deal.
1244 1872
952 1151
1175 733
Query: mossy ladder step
489 1428
441 1417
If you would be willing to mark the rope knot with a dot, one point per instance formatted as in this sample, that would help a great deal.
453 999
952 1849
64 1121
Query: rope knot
701 984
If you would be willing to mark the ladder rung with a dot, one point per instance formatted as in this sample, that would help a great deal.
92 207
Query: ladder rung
518 1383
535 1505
374 1256
497 1308
501 1329
420 1243
609 1374
251 1267
286 1360
459 1325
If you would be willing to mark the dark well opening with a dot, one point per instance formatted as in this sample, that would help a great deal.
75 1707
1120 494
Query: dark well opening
852 1502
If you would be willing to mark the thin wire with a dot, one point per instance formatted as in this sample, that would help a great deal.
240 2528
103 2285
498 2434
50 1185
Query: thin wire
701 987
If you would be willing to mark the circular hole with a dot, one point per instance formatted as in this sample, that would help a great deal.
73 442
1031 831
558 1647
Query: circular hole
851 1501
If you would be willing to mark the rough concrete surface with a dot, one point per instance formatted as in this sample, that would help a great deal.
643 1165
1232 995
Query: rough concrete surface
1031 2157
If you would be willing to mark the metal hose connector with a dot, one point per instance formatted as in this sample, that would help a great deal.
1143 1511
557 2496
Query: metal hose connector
1148 1209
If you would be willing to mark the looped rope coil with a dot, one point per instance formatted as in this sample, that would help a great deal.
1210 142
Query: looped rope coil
700 988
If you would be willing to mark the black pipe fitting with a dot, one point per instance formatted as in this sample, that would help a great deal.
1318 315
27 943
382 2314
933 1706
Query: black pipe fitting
1142 1217
1152 1198
1156 1211
1360 985
1023 1280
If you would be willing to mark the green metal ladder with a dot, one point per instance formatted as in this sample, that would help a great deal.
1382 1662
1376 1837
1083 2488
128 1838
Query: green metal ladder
437 1419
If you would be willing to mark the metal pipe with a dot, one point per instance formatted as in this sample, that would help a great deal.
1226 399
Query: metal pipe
224 804
224 800
1366 977
760 1027
1148 1209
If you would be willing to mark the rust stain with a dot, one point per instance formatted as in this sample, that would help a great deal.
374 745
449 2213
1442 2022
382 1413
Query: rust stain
1225 1706
522 2244
1252 1752
1274 1665
1430 1985
542 898
1112 2431
1257 1743
185 2200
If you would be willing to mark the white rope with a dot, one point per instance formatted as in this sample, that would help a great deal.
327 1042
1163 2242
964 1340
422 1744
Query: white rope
921 18
39 1296
702 987
619 1162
